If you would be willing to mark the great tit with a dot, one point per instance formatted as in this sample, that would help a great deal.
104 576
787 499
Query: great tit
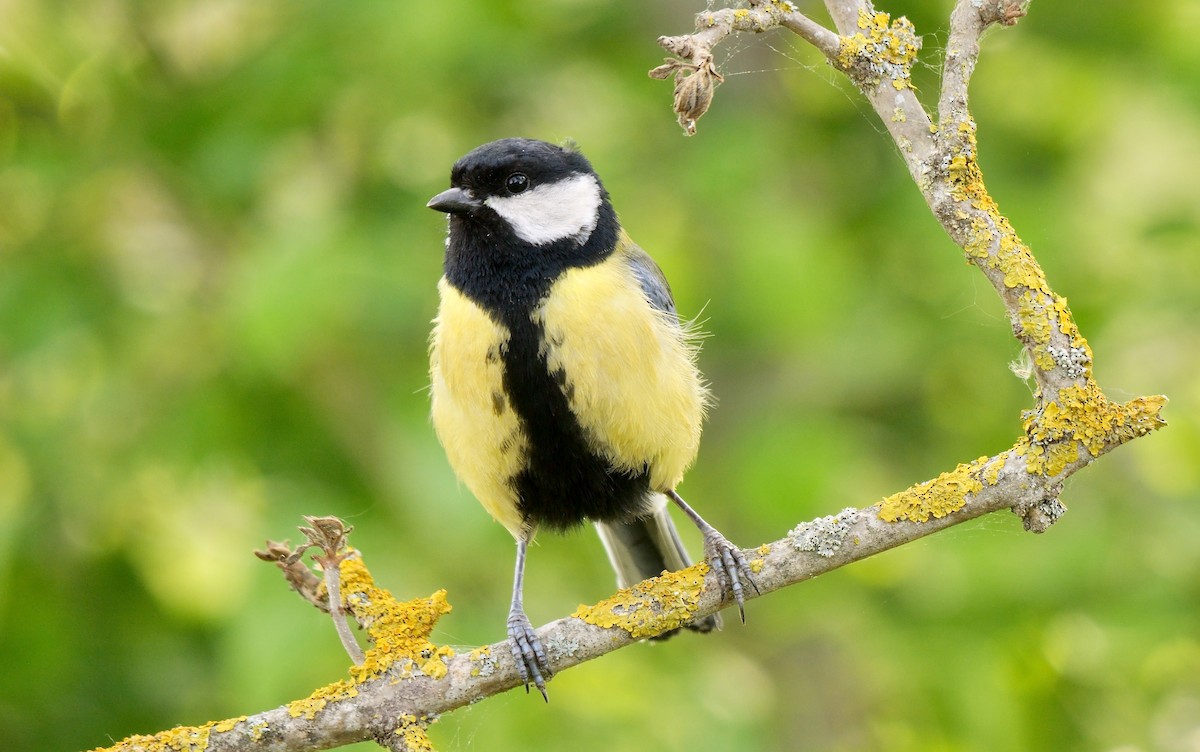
564 387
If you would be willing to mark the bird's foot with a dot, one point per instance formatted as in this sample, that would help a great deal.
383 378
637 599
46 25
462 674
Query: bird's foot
527 652
733 571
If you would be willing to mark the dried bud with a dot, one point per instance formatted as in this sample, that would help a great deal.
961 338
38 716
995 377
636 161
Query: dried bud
1004 12
694 94
694 81
1012 13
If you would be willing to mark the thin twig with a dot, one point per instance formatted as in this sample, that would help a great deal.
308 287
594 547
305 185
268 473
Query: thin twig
333 585
328 534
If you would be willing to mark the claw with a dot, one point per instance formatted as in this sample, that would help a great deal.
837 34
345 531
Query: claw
731 568
532 663
724 558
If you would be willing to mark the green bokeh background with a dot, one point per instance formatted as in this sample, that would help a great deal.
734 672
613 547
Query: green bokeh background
216 280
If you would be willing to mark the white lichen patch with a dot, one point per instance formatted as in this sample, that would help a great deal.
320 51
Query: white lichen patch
826 535
565 647
1074 360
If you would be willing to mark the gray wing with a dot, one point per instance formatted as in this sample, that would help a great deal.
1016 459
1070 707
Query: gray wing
650 277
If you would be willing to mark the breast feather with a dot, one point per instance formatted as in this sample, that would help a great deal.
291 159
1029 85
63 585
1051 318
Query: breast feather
630 370
477 427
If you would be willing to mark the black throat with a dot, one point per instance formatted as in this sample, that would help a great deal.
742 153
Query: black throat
562 482
507 276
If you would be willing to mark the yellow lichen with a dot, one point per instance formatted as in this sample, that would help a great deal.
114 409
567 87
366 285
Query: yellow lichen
182 738
179 739
1017 262
934 498
1067 325
991 243
308 707
1035 322
991 473
399 632
412 730
652 607
883 50
227 724
991 229
979 241
757 564
1082 418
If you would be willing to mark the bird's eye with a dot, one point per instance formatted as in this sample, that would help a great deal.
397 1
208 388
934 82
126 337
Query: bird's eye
516 182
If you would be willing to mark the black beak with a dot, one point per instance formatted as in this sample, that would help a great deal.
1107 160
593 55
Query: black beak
454 201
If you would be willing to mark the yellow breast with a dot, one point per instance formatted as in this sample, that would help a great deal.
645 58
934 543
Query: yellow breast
631 377
471 415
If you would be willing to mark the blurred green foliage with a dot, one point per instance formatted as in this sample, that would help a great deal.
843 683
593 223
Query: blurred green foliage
216 280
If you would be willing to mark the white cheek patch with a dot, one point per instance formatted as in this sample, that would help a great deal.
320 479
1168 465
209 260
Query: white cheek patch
553 211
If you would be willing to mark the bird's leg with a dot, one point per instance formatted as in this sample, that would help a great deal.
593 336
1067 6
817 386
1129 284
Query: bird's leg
723 557
527 650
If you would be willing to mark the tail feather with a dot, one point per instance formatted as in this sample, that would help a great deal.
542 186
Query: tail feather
642 548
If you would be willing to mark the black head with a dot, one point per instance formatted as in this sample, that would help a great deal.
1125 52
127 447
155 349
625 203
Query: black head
540 192
522 212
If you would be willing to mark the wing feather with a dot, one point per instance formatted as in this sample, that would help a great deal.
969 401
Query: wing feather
651 278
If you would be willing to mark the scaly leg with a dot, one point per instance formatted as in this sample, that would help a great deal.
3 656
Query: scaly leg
723 557
527 651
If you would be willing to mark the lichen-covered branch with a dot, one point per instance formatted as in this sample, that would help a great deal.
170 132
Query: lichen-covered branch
877 53
404 681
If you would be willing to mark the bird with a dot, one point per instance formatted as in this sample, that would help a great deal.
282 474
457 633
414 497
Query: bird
564 386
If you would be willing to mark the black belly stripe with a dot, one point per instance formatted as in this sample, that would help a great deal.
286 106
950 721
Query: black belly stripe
563 482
